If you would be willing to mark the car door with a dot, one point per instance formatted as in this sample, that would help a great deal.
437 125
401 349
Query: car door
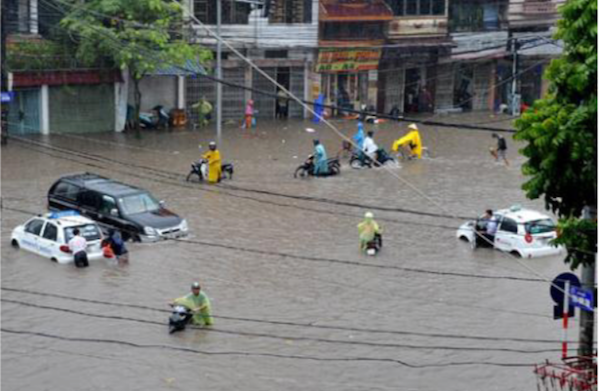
31 235
109 215
63 196
89 203
47 241
507 235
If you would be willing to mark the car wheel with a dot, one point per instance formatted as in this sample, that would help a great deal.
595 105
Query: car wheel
14 243
515 254
54 260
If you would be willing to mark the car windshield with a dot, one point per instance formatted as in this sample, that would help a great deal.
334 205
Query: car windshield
540 226
88 231
138 203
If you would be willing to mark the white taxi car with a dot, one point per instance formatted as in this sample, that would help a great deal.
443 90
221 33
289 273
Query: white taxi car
521 232
49 235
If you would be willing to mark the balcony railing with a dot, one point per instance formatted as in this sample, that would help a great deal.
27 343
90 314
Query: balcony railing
539 7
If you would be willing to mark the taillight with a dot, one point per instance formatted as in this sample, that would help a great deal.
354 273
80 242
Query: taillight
528 238
65 249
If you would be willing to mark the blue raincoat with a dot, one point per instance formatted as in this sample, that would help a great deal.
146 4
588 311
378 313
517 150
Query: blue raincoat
319 108
359 137
320 160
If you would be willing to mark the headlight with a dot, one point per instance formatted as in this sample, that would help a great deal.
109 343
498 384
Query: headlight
150 231
184 225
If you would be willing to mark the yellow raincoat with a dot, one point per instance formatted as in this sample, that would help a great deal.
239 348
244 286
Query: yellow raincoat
200 306
214 165
413 137
366 231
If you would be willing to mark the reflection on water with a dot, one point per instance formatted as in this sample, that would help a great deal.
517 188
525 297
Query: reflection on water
265 302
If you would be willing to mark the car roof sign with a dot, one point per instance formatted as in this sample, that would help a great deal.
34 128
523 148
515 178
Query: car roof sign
64 213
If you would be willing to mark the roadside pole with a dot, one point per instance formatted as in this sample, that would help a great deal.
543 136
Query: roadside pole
565 319
219 75
588 279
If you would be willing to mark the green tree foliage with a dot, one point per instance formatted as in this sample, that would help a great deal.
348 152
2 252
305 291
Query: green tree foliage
140 36
561 132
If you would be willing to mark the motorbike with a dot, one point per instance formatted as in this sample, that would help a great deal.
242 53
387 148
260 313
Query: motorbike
180 317
374 246
308 167
382 158
200 169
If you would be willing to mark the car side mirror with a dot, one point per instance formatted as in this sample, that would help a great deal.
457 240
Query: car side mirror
114 212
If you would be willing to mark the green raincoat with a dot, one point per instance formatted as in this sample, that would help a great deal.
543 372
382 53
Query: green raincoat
200 306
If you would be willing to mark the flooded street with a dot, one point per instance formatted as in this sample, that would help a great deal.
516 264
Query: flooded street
296 306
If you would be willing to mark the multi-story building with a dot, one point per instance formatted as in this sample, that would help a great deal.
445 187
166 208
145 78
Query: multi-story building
279 36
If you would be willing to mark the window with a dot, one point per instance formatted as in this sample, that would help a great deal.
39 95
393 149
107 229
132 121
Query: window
90 200
509 225
232 12
66 190
540 226
50 232
139 203
108 204
353 31
417 7
89 232
276 54
34 227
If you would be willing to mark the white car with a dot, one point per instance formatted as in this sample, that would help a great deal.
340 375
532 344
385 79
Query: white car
49 235
521 232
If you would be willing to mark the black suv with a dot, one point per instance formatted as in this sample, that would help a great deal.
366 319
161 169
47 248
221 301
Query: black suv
132 210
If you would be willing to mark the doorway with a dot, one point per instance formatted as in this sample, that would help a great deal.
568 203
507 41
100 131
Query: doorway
282 103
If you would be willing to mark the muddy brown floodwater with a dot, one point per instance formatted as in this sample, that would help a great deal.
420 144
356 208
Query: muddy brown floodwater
297 306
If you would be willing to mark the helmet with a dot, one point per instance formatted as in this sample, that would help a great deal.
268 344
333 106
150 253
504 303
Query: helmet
413 126
368 215
212 144
195 285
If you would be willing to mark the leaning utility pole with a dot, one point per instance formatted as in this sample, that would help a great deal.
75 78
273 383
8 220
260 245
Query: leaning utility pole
515 106
588 282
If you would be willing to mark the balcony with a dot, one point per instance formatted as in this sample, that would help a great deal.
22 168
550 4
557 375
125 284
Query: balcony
532 14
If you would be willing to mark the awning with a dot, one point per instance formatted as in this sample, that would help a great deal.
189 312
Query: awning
190 68
479 55
360 11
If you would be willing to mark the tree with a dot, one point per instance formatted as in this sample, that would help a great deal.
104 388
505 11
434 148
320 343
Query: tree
561 133
140 36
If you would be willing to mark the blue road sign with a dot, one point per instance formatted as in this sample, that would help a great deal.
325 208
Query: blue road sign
582 298
7 96
557 293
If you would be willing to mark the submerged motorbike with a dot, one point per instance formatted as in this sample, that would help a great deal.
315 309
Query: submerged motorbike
308 167
200 169
374 246
180 317
382 158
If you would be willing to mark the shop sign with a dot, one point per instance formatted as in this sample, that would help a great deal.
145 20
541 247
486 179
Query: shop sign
340 60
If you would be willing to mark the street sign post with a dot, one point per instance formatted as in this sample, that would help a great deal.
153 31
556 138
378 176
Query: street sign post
557 289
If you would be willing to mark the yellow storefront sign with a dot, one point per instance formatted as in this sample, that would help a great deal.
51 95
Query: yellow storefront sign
340 60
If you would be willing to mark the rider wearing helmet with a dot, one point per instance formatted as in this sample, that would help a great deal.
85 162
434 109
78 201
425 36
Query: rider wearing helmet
368 229
213 156
411 142
199 303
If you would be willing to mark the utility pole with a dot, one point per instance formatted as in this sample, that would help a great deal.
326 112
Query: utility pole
219 75
586 320
516 99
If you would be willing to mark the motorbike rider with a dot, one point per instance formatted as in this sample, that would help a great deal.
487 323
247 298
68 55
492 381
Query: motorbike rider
320 159
411 142
369 147
199 303
359 137
368 230
213 156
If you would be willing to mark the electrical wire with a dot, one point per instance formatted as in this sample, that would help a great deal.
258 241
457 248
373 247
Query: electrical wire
292 324
295 337
268 355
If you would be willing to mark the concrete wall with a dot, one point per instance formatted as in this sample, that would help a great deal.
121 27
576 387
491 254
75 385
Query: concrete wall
156 90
